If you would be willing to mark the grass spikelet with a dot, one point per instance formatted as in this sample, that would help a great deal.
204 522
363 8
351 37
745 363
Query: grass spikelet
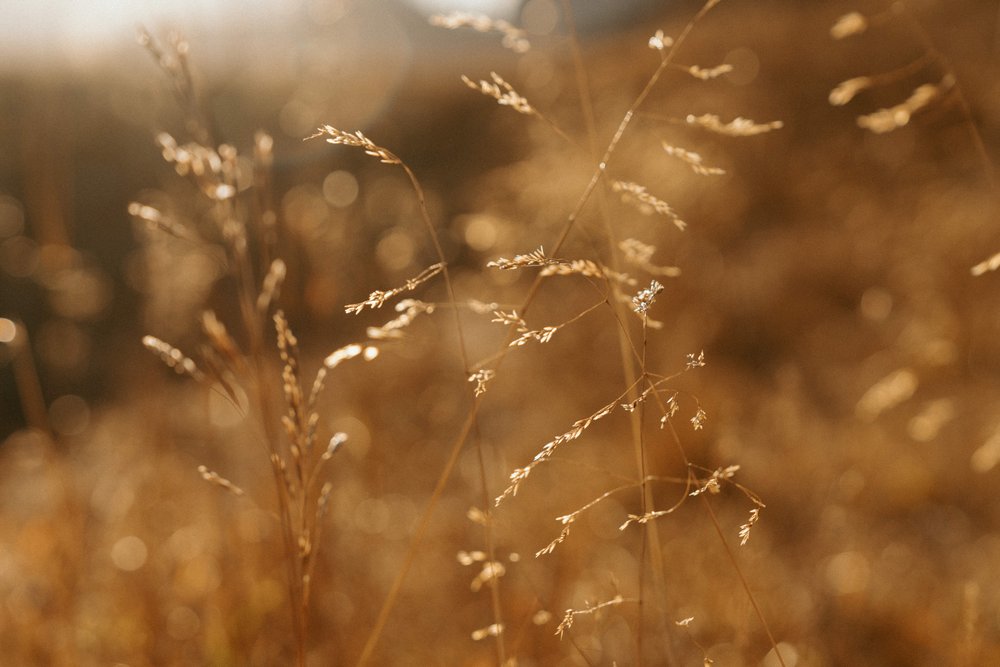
693 160
707 73
155 219
355 139
887 393
216 479
635 194
172 357
502 92
644 300
895 117
493 630
378 298
744 533
531 259
513 38
272 286
852 23
351 351
845 91
738 127
588 268
408 310
481 378
991 263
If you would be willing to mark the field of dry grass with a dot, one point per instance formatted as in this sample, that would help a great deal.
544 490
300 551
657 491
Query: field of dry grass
668 344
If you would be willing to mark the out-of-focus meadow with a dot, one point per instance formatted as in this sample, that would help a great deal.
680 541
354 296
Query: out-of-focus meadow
851 358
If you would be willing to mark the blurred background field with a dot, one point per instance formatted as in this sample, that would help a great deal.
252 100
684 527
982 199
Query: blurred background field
852 358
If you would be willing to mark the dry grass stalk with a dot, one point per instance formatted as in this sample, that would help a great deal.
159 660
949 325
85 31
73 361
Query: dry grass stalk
514 38
518 476
738 127
214 478
213 170
272 286
378 298
693 160
635 194
502 92
571 614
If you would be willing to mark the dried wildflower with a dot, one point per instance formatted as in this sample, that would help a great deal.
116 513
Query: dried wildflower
633 192
172 357
846 90
481 377
694 160
378 298
502 92
852 23
893 118
643 301
887 393
514 38
660 42
214 478
357 140
705 74
738 127
745 528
